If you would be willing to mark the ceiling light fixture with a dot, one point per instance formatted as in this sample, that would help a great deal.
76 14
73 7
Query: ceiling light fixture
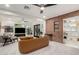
42 8
7 5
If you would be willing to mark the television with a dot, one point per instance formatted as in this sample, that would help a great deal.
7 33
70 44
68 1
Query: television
19 30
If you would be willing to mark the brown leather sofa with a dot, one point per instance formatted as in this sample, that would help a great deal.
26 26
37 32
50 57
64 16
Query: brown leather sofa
26 46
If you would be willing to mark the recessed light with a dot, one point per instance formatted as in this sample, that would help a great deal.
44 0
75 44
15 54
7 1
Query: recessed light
7 5
44 16
39 19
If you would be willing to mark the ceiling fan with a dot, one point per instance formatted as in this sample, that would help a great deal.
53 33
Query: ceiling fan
43 6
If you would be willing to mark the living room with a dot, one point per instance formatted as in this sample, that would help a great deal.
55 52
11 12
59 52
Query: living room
27 28
39 29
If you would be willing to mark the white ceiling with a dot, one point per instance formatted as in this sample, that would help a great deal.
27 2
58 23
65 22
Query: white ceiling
34 11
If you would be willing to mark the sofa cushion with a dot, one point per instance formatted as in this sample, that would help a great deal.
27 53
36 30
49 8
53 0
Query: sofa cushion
25 38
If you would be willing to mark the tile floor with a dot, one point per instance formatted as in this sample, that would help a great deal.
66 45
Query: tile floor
54 48
71 43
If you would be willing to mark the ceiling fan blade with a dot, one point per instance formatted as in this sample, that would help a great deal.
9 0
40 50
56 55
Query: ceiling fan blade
48 5
37 5
45 5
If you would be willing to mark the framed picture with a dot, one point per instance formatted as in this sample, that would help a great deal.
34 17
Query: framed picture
8 29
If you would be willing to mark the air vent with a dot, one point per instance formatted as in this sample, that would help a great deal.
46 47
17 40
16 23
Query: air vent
26 7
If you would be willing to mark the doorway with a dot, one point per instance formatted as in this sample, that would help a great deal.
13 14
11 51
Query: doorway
37 30
71 31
